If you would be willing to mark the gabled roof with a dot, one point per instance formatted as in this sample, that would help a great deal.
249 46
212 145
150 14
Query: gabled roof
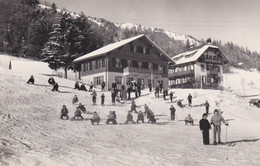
193 54
110 47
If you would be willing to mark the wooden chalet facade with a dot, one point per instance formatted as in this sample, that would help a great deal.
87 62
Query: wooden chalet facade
200 67
135 59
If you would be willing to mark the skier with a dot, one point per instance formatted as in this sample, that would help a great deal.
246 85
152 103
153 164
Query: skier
64 112
129 118
150 87
77 85
216 120
95 118
82 108
77 114
151 118
51 81
111 117
189 99
204 128
172 109
75 99
102 99
55 87
31 80
133 107
207 107
171 96
91 87
140 117
189 120
103 84
83 87
94 97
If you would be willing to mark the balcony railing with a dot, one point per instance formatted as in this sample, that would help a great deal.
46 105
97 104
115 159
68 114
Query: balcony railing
133 70
181 73
213 72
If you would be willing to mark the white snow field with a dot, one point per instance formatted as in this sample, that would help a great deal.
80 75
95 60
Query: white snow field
31 132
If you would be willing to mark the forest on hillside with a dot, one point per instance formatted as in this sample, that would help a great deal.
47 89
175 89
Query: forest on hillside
58 36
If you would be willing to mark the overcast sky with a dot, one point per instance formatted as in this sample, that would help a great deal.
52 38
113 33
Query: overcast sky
227 20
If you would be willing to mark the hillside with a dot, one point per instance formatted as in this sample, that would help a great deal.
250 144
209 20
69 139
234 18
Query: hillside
32 133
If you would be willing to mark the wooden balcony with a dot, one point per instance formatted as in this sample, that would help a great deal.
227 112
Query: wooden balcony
137 71
213 72
181 73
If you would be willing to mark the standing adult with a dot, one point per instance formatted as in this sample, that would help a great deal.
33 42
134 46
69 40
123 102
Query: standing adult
150 87
113 96
216 120
172 109
207 106
129 89
102 99
189 99
171 96
103 84
204 128
94 97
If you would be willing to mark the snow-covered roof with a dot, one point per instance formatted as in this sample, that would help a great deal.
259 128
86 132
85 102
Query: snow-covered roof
113 46
191 56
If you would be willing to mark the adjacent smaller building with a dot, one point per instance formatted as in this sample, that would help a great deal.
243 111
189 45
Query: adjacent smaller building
200 67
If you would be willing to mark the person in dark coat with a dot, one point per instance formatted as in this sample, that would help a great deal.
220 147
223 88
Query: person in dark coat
94 97
161 87
172 109
114 85
75 99
51 81
129 89
133 107
82 108
129 118
151 118
31 80
150 87
77 114
179 103
111 117
64 112
157 90
140 117
83 87
103 84
102 99
171 96
164 93
189 99
77 85
56 87
207 106
113 96
204 128
95 118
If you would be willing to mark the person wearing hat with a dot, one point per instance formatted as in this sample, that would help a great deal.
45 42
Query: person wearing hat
216 120
204 128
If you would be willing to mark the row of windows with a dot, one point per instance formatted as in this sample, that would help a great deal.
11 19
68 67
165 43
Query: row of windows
183 68
210 67
139 49
123 63
180 81
100 63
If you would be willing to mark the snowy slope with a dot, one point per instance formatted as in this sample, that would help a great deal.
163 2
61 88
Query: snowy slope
32 133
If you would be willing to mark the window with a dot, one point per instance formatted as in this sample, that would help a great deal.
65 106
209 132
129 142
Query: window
129 80
103 62
84 67
150 65
140 64
135 64
192 67
160 68
202 67
155 67
96 64
139 49
146 51
124 63
118 63
118 80
89 66
98 80
100 63
145 65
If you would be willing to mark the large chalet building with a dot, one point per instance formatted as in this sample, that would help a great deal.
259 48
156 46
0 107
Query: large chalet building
136 59
200 67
